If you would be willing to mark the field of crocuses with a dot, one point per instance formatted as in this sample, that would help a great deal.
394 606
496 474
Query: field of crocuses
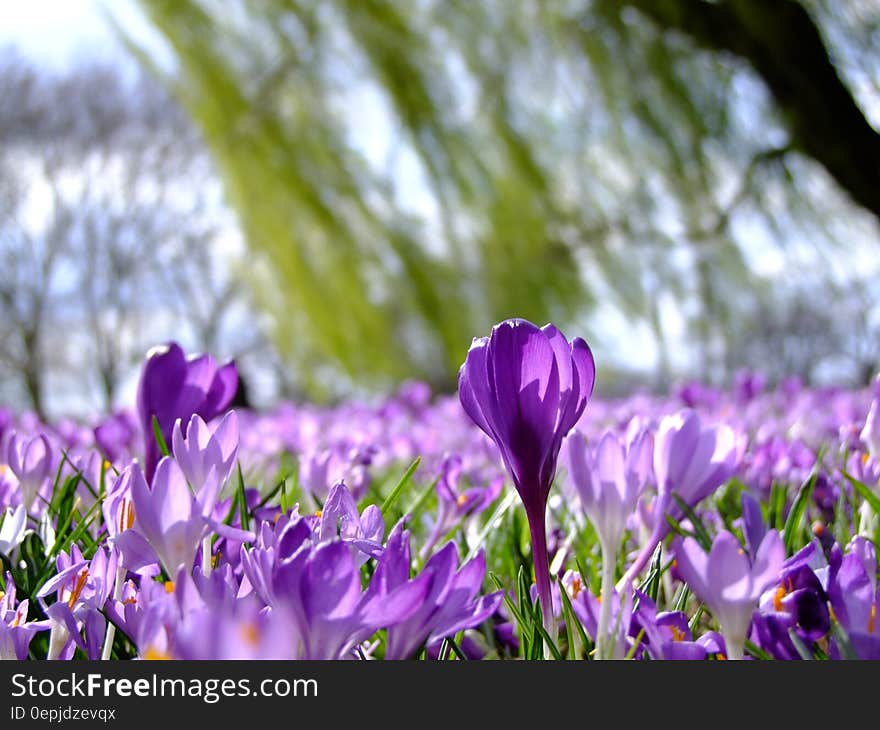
519 519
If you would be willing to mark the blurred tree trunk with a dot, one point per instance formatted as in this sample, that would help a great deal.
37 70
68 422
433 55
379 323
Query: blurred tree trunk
782 43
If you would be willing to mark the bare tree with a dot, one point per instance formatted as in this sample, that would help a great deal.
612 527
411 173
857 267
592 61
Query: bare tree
109 230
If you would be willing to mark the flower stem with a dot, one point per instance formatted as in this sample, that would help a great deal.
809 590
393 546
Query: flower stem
206 556
541 562
608 556
110 636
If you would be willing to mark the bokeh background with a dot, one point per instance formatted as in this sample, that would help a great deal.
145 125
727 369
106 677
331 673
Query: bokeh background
341 194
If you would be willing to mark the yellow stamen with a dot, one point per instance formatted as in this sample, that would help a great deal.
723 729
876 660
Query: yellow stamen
318 513
576 586
865 458
462 500
107 465
169 586
818 529
129 601
250 634
777 598
17 620
872 618
126 514
720 657
154 654
216 559
677 633
78 586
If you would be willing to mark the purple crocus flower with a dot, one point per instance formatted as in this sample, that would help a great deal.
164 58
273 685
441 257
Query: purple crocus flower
588 609
169 518
319 589
449 600
690 461
16 631
855 598
173 386
870 434
207 455
340 517
526 387
667 633
728 582
82 589
454 503
31 462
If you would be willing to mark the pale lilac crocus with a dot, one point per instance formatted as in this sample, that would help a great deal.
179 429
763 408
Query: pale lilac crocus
340 518
526 387
870 434
31 461
609 480
82 588
729 582
169 518
690 461
207 454
16 631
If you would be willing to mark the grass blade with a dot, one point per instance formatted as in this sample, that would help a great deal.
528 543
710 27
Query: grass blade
400 486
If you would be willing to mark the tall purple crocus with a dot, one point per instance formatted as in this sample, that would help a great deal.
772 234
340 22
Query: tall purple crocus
729 582
526 387
173 386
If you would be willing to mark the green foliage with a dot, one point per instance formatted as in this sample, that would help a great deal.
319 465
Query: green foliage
409 173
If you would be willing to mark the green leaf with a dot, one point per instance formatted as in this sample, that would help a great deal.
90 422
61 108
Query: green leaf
756 651
545 636
843 642
242 501
504 505
799 645
160 439
872 499
700 532
796 513
400 486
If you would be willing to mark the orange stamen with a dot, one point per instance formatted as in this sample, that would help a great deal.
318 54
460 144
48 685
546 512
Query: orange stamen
78 586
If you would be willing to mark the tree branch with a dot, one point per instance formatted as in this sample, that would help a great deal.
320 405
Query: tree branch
783 45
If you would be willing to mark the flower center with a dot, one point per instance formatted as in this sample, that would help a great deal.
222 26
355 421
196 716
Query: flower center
576 586
169 586
462 500
872 618
677 633
156 654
